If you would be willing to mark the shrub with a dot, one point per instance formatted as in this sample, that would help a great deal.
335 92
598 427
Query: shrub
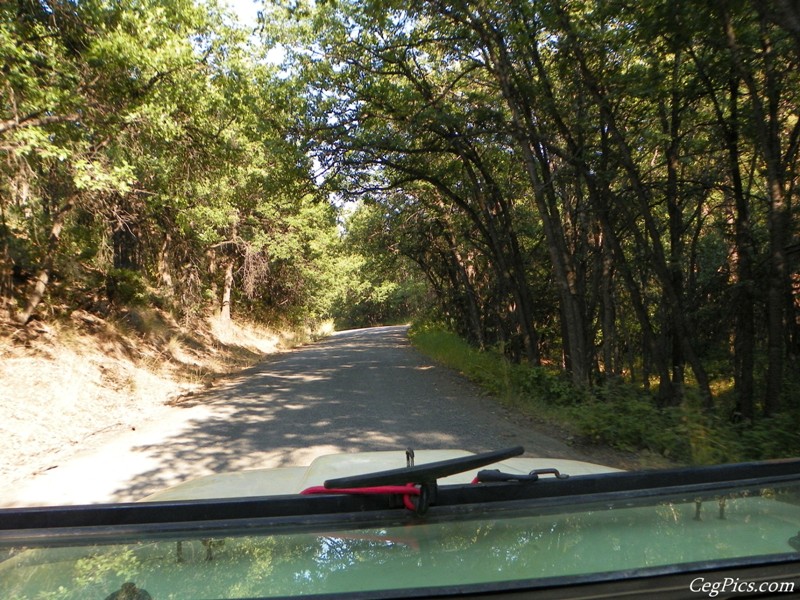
551 387
775 437
126 287
616 413
621 420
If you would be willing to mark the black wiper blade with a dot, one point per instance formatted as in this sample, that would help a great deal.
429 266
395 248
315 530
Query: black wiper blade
427 473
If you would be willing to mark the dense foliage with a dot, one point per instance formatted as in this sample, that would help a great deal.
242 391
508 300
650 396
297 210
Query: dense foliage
615 414
151 154
606 186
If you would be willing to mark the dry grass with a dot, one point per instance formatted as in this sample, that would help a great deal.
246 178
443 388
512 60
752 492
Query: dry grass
63 383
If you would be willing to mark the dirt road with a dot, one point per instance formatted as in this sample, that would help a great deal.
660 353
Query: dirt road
357 390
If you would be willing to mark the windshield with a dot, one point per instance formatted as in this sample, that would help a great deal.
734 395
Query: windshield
241 259
507 544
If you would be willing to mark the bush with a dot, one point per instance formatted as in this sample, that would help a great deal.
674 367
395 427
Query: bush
616 413
619 416
775 437
552 387
706 439
126 287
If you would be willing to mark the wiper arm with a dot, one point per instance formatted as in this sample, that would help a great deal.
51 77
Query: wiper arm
427 473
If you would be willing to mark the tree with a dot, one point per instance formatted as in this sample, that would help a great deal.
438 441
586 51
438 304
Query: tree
635 139
147 142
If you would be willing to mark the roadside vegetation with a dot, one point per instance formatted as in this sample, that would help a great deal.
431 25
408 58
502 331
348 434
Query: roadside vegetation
603 194
600 198
615 413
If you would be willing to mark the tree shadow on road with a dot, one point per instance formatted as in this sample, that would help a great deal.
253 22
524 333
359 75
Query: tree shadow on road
358 391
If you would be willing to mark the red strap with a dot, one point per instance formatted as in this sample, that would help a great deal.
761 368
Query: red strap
406 491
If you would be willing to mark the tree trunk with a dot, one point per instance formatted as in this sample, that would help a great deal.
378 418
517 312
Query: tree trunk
744 327
767 127
572 312
500 235
658 256
462 280
126 246
227 287
607 308
211 257
524 301
776 322
43 277
652 351
6 270
670 126
163 266
744 334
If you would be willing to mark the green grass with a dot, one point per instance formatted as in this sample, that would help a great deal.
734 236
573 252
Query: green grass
448 349
541 392
617 413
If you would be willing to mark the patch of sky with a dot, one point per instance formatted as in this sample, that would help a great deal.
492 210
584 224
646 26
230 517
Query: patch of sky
247 15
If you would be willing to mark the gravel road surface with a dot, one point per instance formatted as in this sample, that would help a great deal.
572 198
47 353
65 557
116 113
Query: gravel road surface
357 390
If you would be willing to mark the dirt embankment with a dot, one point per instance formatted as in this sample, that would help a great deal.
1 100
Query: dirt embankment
64 384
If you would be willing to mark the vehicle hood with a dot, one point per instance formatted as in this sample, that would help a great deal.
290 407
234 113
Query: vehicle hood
292 480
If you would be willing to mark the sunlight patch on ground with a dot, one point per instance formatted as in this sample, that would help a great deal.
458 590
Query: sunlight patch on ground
261 340
436 439
304 377
373 437
66 386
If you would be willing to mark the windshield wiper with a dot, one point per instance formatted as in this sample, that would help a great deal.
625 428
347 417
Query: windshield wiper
424 474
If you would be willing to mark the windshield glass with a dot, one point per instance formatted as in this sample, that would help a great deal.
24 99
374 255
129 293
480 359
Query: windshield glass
508 543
